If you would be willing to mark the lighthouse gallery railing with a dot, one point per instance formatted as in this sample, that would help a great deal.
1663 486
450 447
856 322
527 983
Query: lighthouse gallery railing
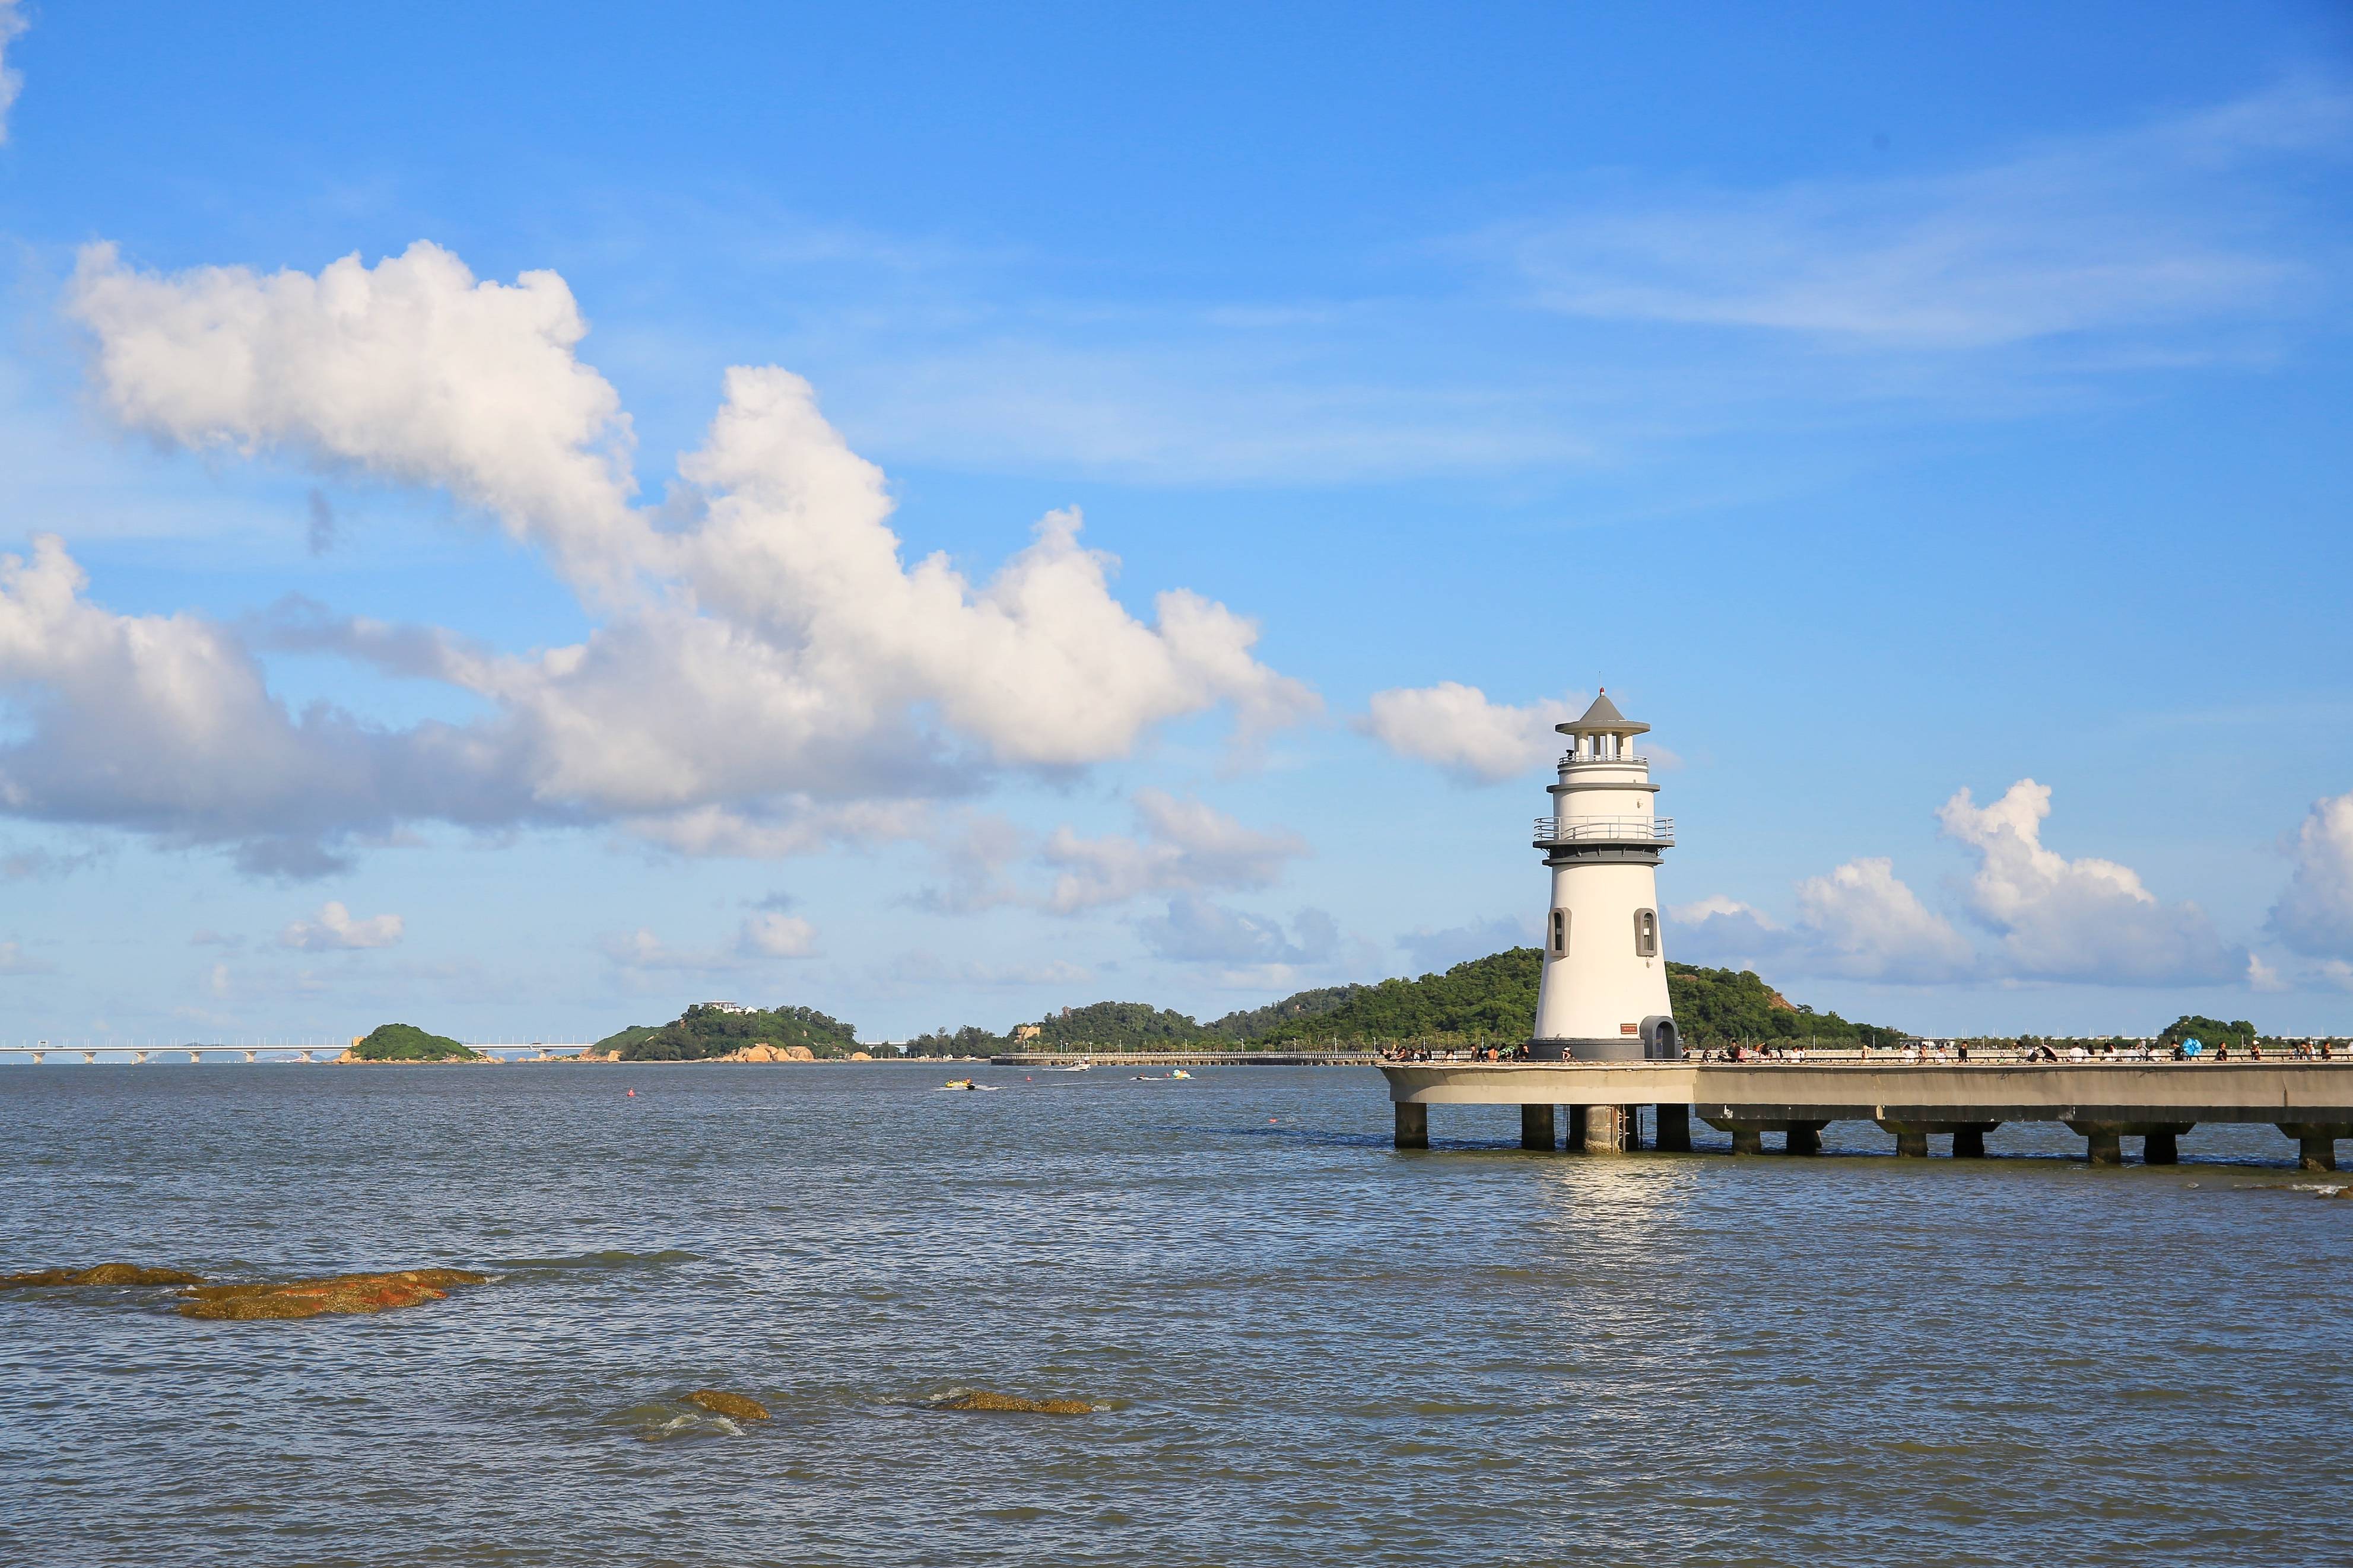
1605 829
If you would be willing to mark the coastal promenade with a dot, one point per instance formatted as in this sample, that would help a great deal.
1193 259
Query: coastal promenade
109 1053
1102 1059
2103 1100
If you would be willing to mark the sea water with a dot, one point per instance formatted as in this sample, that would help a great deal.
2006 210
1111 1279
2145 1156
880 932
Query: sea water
1304 1347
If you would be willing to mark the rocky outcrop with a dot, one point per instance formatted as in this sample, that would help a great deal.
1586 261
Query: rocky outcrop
335 1293
861 1056
102 1274
734 1406
766 1053
982 1399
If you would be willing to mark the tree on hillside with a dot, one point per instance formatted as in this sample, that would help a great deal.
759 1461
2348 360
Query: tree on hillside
1492 1000
1252 1024
2210 1033
704 1031
1115 1026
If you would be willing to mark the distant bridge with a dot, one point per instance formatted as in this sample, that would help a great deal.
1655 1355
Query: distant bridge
118 1052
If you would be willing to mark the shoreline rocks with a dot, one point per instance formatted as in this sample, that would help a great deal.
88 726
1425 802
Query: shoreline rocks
734 1406
982 1399
337 1293
100 1274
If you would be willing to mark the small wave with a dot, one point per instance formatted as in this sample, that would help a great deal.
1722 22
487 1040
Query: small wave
666 1421
604 1260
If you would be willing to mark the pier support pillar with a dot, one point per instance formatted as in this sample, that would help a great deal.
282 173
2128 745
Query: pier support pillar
2103 1142
2161 1145
1573 1139
1803 1138
1968 1140
1412 1125
1911 1145
1675 1130
1748 1140
1610 1130
1535 1128
2315 1142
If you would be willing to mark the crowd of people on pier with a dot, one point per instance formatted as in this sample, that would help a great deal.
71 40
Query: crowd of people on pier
1925 1051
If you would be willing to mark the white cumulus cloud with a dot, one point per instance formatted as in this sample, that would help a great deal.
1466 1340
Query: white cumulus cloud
773 934
1186 847
333 928
768 675
1457 728
1858 922
1864 923
2314 914
2085 920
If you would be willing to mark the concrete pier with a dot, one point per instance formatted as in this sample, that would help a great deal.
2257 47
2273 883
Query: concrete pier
1536 1129
2103 1100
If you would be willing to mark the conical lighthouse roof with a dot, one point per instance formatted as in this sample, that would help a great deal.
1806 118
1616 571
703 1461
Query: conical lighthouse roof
1603 719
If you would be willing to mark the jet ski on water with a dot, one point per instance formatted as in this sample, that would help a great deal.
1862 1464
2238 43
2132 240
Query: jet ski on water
967 1083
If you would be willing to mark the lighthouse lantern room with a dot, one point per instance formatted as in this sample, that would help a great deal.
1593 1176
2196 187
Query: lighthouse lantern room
1603 995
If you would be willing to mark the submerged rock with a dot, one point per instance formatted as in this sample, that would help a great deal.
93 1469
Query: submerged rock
104 1274
737 1406
334 1293
982 1399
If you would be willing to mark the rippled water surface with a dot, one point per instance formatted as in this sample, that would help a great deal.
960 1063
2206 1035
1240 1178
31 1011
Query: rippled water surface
1306 1347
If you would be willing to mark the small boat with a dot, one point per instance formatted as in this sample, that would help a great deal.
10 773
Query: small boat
1180 1072
960 1083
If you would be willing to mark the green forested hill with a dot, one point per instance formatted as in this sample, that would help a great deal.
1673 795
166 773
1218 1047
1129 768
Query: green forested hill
701 1032
1115 1026
1489 1000
1492 1000
408 1043
1253 1024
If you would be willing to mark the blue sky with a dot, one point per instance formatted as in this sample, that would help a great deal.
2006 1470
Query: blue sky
1279 415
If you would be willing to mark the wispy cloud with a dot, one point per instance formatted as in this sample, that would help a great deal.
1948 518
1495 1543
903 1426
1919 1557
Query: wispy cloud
2161 226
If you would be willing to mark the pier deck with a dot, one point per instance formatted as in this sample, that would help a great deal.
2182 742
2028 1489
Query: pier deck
2311 1101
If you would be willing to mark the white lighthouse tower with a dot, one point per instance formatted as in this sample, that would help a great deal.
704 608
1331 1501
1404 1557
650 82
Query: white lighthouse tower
1604 992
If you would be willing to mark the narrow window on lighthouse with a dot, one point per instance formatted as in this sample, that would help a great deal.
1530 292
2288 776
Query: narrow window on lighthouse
1646 933
1560 933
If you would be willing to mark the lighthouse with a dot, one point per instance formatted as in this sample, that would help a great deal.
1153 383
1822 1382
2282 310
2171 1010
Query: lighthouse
1603 994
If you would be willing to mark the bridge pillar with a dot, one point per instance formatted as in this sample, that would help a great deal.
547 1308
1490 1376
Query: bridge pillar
1748 1140
90 1059
39 1057
1675 1130
1536 1129
139 1059
2159 1144
1968 1139
1573 1129
2315 1142
1803 1138
1610 1129
2102 1141
251 1055
1412 1125
1911 1145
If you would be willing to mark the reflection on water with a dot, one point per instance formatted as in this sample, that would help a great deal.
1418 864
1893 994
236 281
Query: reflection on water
1301 1346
